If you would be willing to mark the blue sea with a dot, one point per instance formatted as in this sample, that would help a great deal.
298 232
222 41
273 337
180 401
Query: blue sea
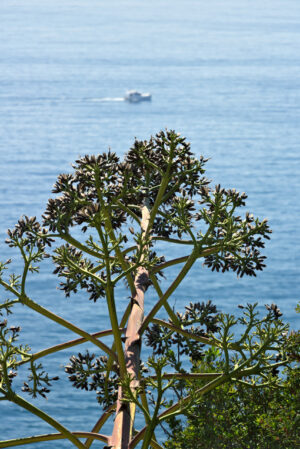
225 74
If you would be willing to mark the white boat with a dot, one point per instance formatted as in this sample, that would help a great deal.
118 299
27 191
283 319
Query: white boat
133 96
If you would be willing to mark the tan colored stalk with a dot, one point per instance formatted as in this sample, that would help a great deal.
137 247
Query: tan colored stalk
123 425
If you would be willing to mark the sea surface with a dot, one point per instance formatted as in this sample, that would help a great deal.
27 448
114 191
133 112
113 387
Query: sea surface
225 74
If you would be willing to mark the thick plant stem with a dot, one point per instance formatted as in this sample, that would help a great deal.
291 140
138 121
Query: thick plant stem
123 425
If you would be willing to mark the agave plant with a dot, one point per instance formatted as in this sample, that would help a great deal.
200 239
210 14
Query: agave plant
123 210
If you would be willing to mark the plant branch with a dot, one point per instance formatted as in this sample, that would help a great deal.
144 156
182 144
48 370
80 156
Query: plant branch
69 239
128 211
111 234
87 273
186 376
169 310
178 241
101 421
52 316
66 345
44 416
203 253
115 327
185 269
52 437
9 303
110 359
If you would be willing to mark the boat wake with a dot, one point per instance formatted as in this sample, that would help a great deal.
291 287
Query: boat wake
99 100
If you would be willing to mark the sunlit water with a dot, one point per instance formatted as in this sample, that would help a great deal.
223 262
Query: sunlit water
224 74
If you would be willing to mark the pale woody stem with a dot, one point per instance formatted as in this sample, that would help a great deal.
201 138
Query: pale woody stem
123 425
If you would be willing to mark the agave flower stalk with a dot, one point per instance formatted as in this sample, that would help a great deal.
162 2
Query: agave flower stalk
123 210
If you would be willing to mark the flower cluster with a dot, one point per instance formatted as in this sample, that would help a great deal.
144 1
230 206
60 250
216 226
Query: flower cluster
96 181
105 193
29 234
199 318
88 372
71 265
38 381
149 161
10 354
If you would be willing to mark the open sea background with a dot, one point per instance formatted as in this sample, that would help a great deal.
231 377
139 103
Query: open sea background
224 74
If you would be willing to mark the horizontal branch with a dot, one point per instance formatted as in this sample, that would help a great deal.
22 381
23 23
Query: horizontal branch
186 334
169 263
203 253
248 384
9 303
128 250
51 437
186 376
52 316
67 344
192 336
221 379
178 241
